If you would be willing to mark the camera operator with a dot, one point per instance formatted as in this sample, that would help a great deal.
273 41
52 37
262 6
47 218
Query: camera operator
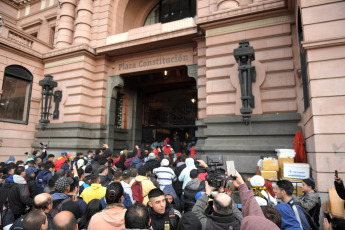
339 186
224 214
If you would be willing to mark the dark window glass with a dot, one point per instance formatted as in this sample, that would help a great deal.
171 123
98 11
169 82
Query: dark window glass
15 97
171 10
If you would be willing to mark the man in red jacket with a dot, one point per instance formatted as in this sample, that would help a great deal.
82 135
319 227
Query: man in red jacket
60 161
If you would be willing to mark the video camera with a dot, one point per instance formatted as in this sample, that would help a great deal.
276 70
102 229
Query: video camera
216 176
43 146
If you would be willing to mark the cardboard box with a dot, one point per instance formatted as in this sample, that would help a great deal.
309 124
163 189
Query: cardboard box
270 165
296 170
291 179
282 160
299 189
269 175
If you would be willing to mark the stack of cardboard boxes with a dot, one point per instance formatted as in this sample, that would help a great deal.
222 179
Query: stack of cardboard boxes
284 168
270 169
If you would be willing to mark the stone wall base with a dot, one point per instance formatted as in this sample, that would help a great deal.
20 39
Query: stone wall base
77 137
244 144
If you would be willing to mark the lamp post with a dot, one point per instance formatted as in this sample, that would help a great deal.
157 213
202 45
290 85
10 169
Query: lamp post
48 84
244 56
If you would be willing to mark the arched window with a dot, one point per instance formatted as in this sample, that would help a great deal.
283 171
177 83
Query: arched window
16 93
171 10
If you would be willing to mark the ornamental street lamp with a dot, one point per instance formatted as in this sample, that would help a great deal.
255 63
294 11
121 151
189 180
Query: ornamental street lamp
244 55
48 84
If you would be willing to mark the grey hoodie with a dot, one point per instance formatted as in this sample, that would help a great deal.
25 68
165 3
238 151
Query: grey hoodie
18 179
193 184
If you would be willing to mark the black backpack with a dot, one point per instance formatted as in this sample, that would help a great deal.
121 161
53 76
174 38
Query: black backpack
58 207
312 222
172 219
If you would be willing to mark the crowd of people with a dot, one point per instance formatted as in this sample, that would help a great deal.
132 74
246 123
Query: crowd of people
159 187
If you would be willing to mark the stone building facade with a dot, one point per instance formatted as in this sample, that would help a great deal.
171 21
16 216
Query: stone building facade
130 69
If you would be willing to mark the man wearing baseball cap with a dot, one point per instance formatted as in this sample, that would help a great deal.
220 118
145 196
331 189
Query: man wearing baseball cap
30 180
310 200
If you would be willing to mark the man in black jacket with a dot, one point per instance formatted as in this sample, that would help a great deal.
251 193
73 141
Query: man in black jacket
192 188
152 163
224 215
179 167
30 179
161 212
18 193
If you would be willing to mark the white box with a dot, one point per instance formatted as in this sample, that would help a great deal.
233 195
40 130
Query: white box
285 152
296 170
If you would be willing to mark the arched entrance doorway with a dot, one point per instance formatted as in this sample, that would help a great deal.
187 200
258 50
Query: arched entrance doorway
153 104
162 103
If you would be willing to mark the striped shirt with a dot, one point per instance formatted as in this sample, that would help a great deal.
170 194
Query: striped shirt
165 175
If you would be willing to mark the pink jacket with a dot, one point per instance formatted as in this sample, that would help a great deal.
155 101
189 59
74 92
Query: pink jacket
253 217
108 219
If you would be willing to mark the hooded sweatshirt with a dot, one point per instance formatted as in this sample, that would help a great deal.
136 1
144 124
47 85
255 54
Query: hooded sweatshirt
108 219
95 191
18 194
184 176
146 186
191 189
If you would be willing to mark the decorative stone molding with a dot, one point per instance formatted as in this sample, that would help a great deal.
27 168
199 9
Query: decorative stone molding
36 22
227 4
113 83
250 25
193 71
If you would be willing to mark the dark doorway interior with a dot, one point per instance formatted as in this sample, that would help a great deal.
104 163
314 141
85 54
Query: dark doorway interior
169 104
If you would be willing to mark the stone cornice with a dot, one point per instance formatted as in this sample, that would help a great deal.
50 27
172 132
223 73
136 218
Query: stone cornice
19 50
315 44
250 25
32 23
51 16
69 50
146 40
27 36
255 11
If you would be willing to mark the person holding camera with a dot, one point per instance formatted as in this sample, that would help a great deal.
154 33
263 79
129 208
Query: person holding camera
223 215
339 187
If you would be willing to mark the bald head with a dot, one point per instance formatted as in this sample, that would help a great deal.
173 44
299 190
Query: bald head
64 220
223 204
44 202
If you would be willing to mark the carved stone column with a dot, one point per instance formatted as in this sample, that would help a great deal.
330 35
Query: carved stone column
83 22
114 82
66 23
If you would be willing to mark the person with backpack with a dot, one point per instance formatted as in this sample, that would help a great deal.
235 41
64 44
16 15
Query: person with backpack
161 212
17 192
62 188
284 190
261 195
44 176
310 200
141 186
289 220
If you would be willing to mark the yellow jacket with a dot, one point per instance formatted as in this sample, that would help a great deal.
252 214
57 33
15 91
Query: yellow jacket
146 185
95 191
